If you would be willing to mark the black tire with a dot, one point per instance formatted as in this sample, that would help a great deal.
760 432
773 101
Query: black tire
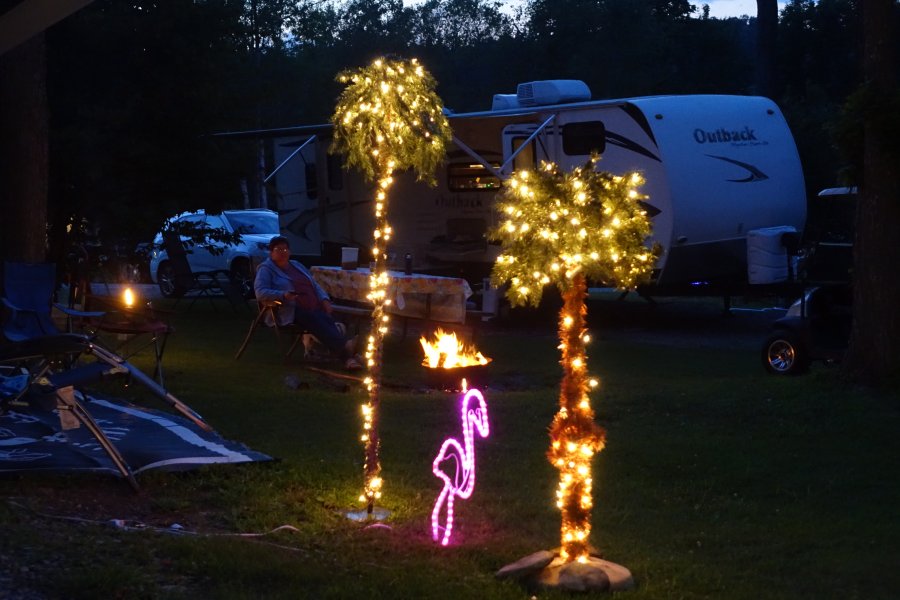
785 354
242 278
165 277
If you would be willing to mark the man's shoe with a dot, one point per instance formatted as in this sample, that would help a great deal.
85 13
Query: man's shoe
353 364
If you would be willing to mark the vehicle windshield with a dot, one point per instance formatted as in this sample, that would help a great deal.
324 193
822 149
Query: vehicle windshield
246 222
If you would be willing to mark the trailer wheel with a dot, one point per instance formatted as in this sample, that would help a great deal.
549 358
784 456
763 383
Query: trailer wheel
784 354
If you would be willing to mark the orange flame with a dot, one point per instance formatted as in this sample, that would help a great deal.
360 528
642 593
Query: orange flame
128 297
447 352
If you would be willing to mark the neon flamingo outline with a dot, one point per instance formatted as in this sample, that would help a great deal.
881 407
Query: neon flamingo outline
462 483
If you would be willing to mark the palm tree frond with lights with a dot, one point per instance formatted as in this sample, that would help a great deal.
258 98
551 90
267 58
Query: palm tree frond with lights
388 118
568 228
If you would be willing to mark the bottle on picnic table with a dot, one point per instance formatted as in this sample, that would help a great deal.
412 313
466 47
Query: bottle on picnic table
408 264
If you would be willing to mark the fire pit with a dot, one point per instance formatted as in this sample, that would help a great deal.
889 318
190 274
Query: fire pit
448 361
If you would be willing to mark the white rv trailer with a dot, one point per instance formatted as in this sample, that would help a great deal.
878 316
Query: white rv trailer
716 167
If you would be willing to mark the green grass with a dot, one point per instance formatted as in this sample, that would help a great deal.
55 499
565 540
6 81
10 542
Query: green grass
718 481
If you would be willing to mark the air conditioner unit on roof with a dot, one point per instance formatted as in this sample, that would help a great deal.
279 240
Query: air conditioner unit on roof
502 101
554 91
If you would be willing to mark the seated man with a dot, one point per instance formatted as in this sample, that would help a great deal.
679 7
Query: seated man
303 301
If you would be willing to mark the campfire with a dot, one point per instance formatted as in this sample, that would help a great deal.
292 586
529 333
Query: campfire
447 352
449 360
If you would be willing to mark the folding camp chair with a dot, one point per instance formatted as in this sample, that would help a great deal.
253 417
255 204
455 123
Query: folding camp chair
38 357
28 301
28 291
206 284
268 313
71 411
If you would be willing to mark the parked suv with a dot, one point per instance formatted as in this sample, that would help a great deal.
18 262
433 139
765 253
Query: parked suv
255 226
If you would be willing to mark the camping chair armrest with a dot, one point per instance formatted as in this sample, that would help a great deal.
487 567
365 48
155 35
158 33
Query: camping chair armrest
10 305
79 319
83 314
16 310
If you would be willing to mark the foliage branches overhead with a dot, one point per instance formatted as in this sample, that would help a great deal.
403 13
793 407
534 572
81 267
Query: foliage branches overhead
211 239
459 23
389 117
557 225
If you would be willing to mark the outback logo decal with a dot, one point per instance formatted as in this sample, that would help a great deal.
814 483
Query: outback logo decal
754 173
722 135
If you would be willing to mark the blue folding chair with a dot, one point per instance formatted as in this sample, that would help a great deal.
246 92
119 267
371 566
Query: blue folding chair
28 301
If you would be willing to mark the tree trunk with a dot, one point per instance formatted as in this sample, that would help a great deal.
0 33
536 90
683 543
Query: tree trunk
574 436
766 38
24 152
874 353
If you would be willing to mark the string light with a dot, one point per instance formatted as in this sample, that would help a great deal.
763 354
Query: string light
567 228
387 118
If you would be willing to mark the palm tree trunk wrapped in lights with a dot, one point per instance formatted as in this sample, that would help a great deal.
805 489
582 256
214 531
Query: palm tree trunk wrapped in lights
387 118
567 228
574 434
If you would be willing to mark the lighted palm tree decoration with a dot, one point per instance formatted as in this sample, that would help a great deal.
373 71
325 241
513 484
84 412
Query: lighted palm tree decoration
388 118
565 228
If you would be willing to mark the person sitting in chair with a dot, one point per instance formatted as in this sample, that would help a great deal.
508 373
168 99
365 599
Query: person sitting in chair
303 301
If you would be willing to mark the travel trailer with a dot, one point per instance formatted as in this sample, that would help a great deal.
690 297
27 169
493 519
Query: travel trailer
719 170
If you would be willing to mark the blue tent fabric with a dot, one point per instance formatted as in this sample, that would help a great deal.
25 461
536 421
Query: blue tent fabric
39 440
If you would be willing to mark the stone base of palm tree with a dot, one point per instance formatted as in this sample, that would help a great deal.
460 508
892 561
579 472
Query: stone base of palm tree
546 569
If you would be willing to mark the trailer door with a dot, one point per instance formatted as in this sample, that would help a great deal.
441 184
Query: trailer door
535 151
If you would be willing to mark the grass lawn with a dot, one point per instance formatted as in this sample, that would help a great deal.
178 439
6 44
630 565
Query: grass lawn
718 481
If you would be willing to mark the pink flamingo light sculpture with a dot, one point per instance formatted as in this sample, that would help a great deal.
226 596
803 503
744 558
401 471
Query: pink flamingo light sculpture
462 481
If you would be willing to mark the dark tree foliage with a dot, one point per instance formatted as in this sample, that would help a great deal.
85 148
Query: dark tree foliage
136 88
818 65
767 35
672 10
820 45
634 47
24 152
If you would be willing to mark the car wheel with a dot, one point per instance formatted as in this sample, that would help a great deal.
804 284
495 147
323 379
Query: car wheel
784 354
241 278
166 278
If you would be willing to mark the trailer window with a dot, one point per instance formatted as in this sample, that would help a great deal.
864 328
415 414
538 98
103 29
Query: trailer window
582 138
471 177
333 163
